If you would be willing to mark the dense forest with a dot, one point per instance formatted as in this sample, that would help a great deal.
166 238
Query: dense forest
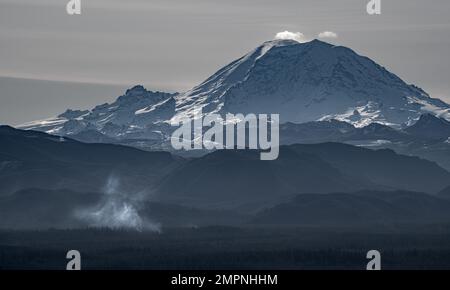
401 247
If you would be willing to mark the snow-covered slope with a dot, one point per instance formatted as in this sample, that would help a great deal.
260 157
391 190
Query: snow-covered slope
300 81
311 81
137 113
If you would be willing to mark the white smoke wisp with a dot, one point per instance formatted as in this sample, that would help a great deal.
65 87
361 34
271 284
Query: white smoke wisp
116 211
116 214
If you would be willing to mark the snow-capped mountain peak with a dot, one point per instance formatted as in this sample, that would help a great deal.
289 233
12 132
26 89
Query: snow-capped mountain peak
135 110
307 82
300 81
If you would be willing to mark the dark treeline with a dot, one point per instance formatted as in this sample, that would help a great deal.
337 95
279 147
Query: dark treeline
228 248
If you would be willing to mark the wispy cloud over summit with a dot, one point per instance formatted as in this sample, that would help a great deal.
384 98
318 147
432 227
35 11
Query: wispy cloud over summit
297 36
328 34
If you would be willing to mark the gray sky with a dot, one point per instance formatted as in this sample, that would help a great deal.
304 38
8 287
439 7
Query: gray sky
175 44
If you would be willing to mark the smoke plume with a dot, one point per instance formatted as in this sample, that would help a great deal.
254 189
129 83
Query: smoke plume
116 211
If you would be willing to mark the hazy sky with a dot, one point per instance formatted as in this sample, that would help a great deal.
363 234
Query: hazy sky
175 44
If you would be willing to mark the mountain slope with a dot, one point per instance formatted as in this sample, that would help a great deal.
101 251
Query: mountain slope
238 178
35 208
381 166
361 208
445 192
35 159
430 127
338 131
65 175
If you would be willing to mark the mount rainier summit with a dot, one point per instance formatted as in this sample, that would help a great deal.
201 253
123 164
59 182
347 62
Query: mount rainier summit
303 82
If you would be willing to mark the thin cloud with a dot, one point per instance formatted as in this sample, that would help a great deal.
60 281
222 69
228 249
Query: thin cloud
328 34
297 36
